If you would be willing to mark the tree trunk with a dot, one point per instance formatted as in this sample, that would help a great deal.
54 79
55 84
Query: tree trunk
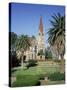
59 57
62 66
22 62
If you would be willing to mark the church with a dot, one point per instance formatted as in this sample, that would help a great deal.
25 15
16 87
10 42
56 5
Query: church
37 49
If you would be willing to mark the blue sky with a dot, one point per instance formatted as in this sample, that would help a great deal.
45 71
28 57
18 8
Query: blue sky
25 17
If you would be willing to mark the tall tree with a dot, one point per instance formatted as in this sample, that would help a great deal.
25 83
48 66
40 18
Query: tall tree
13 38
57 34
22 44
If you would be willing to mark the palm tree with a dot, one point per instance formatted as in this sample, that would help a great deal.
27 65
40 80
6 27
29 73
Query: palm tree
57 34
22 44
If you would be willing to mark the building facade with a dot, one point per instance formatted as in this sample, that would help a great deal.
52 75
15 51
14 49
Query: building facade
37 48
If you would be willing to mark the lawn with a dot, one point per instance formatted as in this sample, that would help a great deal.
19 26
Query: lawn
32 75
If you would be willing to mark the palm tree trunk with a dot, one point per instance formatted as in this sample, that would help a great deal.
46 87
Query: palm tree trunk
62 56
62 66
59 57
22 62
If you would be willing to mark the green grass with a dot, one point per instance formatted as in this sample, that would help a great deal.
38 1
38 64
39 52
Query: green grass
41 68
26 80
31 76
57 76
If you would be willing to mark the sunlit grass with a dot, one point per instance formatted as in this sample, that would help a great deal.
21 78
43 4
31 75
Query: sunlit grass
34 73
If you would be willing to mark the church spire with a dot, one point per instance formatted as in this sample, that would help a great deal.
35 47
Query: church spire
41 25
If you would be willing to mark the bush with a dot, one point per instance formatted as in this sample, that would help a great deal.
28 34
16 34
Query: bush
48 54
41 76
14 61
26 80
56 60
57 76
31 63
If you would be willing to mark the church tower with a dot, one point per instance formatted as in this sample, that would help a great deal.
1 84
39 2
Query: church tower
40 39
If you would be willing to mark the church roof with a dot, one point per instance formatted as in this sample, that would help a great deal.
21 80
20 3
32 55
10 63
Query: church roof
41 25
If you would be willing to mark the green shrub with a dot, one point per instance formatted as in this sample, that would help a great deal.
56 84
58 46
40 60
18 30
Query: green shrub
41 76
56 60
48 54
57 76
31 63
26 80
14 62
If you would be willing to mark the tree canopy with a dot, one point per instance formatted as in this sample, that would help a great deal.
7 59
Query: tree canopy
57 33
